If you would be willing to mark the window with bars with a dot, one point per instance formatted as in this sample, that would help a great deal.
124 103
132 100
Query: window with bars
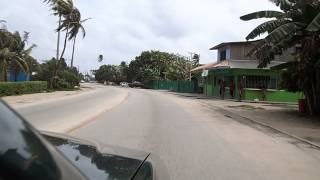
259 82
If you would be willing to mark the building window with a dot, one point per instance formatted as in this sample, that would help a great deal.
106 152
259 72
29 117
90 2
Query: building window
259 82
223 55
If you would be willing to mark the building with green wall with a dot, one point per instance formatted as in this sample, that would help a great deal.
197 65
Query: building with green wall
234 72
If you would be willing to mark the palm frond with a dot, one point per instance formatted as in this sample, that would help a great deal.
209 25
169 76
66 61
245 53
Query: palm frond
268 26
22 64
29 50
261 14
284 4
26 36
84 33
283 31
256 48
314 25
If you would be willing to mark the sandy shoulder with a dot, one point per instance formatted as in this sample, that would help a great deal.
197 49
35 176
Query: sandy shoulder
30 99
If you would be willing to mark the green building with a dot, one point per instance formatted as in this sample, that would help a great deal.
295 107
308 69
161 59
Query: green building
235 73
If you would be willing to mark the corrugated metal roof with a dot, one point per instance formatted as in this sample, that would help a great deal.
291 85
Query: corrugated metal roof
231 43
235 64
244 64
203 67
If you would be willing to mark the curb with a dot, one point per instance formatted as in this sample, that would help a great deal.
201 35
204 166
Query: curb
234 100
268 126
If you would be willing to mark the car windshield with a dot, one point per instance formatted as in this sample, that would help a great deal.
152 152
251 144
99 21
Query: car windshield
171 89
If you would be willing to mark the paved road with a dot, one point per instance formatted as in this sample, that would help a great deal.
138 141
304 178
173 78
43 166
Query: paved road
67 112
196 142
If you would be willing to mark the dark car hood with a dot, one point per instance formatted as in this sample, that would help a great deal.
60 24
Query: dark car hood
107 162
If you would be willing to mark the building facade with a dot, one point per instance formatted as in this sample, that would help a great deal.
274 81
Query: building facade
235 75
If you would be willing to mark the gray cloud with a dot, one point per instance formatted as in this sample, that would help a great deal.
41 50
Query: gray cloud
121 29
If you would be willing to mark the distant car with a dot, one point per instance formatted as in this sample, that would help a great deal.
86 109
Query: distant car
26 153
136 84
124 84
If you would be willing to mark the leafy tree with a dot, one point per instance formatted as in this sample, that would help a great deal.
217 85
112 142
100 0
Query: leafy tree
123 68
296 26
156 65
107 73
13 52
196 60
68 77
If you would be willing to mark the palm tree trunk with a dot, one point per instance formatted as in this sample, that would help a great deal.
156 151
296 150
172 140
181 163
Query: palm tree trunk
57 67
58 40
5 71
73 49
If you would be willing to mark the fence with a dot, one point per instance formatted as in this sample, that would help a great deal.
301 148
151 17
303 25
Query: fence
176 86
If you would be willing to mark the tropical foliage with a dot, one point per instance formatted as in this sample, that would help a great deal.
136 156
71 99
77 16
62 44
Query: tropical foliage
296 26
156 65
14 53
149 66
17 88
71 23
68 77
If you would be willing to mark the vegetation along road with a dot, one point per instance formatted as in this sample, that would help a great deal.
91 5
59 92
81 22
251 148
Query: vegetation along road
193 141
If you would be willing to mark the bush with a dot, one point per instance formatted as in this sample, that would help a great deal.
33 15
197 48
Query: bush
67 80
17 88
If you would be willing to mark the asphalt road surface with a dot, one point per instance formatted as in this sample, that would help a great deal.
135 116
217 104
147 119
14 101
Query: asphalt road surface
193 141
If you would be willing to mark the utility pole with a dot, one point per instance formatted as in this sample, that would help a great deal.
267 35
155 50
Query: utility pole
190 65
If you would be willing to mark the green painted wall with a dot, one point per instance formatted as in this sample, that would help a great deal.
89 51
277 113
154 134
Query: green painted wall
250 94
209 90
272 95
283 96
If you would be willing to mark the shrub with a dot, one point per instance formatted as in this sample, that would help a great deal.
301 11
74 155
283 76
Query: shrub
17 88
67 80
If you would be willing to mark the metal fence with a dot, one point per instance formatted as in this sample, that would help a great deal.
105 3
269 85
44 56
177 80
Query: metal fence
176 86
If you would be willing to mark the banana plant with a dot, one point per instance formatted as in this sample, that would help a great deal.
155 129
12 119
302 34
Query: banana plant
297 25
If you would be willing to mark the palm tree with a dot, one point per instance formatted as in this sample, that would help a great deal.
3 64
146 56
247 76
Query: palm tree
12 52
64 9
297 25
100 58
76 26
54 3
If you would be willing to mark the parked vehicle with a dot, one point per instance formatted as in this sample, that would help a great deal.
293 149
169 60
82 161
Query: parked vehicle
26 153
124 84
136 84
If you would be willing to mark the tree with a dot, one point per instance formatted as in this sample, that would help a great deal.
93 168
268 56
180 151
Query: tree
196 60
67 14
52 3
107 73
123 68
156 65
68 77
13 52
296 26
100 58
77 25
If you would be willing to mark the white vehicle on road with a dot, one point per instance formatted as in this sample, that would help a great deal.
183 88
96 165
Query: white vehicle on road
124 84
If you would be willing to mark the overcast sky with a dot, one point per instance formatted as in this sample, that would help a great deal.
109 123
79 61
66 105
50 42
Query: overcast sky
122 29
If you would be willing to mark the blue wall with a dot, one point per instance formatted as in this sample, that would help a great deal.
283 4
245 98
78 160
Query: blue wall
21 77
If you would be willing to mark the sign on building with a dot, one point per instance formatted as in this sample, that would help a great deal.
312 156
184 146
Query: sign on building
205 73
